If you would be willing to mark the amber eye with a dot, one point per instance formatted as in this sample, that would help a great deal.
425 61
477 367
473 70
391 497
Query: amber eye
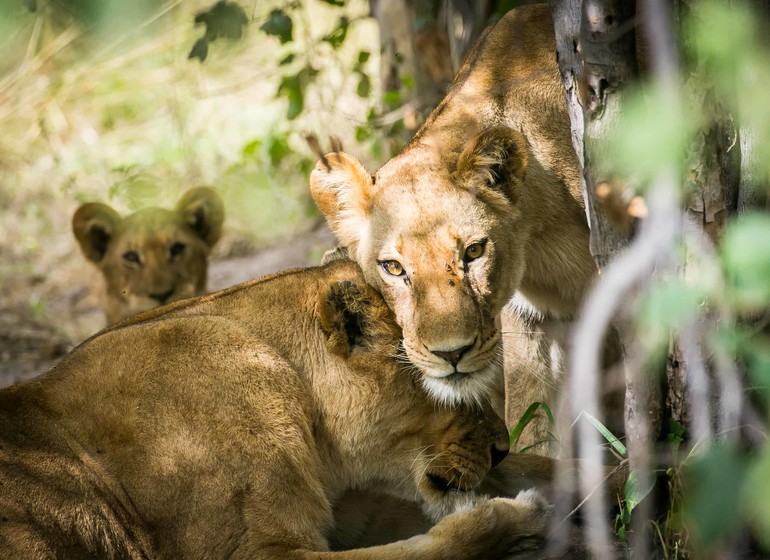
393 268
176 250
131 257
473 252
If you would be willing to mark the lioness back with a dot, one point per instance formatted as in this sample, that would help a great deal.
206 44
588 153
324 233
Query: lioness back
227 426
154 255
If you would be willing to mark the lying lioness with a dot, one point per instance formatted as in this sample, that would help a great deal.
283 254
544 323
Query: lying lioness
154 255
228 426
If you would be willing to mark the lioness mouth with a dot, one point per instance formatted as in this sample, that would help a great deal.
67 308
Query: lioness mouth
443 485
454 377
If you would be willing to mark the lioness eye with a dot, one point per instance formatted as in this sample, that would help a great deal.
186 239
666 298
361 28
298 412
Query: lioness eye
131 257
176 250
473 252
393 268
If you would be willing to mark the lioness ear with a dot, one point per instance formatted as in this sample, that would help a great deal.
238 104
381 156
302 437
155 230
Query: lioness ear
353 315
203 210
94 225
495 159
342 190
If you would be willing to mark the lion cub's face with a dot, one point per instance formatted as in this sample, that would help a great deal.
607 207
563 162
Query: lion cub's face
154 256
438 236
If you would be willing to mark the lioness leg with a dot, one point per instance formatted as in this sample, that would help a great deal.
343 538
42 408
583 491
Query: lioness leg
365 519
491 529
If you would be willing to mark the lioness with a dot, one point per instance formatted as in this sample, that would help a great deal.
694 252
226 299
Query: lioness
228 425
153 256
485 200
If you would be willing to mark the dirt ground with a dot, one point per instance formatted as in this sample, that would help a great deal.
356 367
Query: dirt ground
31 343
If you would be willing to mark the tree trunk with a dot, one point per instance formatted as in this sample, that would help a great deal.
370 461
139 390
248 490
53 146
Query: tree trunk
596 50
422 43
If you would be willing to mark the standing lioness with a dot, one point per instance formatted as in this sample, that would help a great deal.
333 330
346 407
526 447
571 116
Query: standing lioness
229 425
484 201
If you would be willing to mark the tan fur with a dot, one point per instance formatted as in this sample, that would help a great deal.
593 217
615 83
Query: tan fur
228 426
493 162
153 256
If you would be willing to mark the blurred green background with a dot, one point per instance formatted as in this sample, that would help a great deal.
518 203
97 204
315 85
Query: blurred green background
99 101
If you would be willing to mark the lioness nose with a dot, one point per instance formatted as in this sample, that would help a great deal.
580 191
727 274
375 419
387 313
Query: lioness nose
498 452
161 298
452 356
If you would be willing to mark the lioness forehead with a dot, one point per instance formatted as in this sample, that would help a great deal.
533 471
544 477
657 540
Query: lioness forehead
421 208
151 226
150 219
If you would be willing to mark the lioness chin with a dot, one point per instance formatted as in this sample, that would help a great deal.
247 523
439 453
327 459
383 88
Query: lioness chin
228 426
153 256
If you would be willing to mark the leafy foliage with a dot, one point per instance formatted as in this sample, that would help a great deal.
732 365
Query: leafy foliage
279 24
715 487
526 418
224 19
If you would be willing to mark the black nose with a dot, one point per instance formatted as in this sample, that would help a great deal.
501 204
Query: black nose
452 356
162 298
498 453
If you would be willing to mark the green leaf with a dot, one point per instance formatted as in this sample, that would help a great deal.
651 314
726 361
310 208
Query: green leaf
616 444
634 492
338 3
625 516
363 57
715 20
200 49
667 305
746 257
223 19
362 133
251 148
652 133
756 495
291 88
278 149
337 36
714 483
279 24
364 85
391 98
526 418
288 59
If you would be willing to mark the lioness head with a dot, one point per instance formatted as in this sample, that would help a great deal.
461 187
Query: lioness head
455 446
437 235
154 255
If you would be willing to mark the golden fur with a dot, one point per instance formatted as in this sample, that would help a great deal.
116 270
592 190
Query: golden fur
493 164
228 426
153 256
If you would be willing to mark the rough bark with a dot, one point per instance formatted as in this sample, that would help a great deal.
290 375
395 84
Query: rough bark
607 48
596 50
414 62
422 43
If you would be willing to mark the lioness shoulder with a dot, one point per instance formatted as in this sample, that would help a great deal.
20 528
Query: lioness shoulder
154 255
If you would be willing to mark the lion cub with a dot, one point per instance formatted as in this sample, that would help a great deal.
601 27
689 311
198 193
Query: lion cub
154 256
229 426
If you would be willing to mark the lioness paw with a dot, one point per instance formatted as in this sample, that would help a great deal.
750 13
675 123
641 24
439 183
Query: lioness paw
526 518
